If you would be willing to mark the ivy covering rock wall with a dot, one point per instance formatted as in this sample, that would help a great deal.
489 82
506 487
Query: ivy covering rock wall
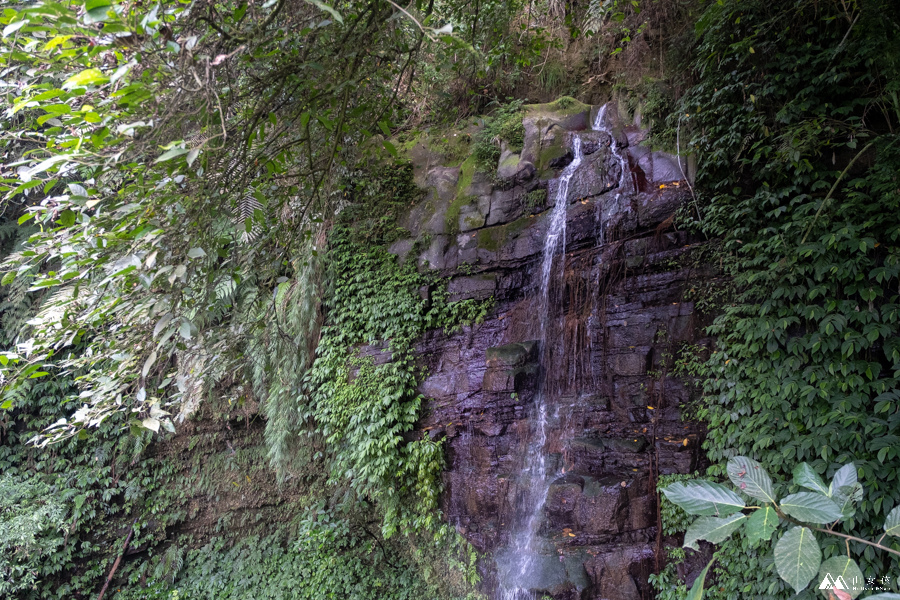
793 112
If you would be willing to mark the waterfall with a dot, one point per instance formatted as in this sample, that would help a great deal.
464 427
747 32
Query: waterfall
625 184
523 554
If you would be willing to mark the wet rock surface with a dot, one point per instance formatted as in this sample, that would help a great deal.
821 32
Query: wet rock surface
618 317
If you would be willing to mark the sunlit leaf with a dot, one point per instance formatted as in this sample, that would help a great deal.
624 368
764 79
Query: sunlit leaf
322 6
14 27
811 507
171 153
892 523
85 78
805 476
761 525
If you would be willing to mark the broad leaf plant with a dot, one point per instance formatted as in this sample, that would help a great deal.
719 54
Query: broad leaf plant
801 516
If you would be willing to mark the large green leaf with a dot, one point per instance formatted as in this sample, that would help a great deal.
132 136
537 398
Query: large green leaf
892 523
797 557
750 477
841 572
805 476
845 477
696 592
172 153
811 507
845 490
712 529
761 524
703 498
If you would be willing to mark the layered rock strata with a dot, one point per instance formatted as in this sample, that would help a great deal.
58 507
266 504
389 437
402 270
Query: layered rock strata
618 317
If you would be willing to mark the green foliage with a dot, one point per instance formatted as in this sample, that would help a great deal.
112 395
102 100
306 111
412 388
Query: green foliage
363 405
653 98
506 44
797 553
552 76
327 557
176 175
282 350
32 522
535 199
62 513
378 197
503 125
807 366
666 583
674 519
202 193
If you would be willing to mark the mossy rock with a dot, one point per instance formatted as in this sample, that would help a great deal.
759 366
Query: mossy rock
516 354
567 113
511 160
566 105
494 238
437 147
549 157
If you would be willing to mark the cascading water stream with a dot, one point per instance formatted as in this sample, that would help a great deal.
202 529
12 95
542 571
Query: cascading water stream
523 553
625 185
523 550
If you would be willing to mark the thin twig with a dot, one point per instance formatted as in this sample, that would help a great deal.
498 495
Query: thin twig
841 45
683 174
118 560
832 532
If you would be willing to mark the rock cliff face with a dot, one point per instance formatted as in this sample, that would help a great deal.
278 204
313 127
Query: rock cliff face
617 317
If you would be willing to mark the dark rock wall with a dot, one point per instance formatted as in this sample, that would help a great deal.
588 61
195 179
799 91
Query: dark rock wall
617 318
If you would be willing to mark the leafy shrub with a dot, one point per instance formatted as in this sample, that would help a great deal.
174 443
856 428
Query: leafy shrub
505 124
797 554
32 524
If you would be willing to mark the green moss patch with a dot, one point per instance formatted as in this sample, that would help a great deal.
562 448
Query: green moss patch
466 173
493 238
445 147
565 105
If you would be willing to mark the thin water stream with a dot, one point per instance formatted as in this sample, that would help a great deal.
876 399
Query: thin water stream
523 554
